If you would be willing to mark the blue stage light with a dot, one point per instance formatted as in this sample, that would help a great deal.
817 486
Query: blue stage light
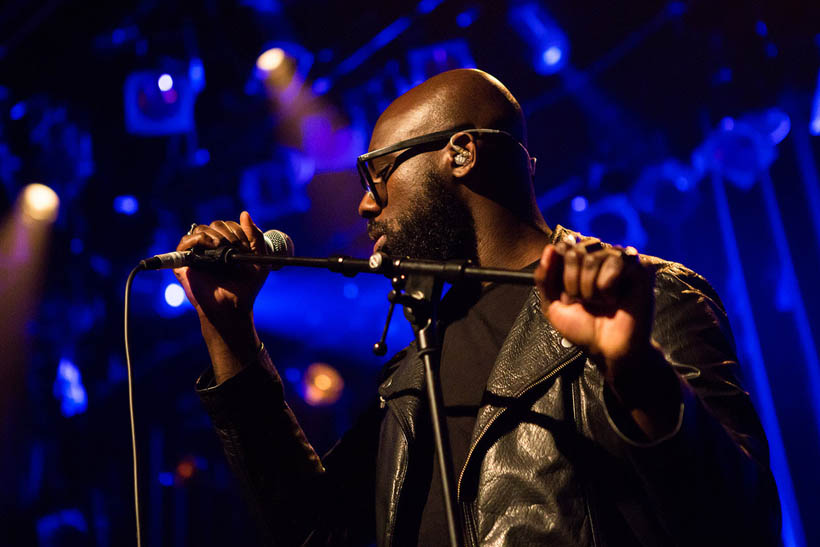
17 111
549 43
158 104
552 55
196 74
69 390
174 295
165 82
426 6
467 17
77 245
201 157
761 29
579 203
321 86
814 124
166 478
293 375
127 205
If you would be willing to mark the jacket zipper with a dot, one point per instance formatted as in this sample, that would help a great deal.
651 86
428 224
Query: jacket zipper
531 386
576 414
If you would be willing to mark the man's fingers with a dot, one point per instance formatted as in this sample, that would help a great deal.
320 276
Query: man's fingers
202 237
610 272
590 266
230 233
548 274
572 272
254 235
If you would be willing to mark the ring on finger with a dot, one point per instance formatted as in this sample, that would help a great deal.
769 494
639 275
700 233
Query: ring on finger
191 229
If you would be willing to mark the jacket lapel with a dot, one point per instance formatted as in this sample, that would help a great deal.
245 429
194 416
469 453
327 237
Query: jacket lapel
403 390
532 350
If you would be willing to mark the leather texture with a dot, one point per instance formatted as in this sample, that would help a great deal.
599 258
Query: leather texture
553 460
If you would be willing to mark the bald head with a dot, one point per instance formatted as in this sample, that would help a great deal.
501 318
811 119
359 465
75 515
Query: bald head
464 98
472 197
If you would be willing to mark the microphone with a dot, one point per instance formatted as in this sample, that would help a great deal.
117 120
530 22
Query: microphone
278 244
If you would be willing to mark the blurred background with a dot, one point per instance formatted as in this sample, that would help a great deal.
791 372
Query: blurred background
690 130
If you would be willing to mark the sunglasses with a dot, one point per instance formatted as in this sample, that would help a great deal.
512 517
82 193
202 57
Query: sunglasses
376 167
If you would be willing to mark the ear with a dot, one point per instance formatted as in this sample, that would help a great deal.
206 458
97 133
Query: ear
462 153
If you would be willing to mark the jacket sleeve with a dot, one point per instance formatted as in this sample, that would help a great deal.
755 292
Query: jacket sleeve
709 481
296 497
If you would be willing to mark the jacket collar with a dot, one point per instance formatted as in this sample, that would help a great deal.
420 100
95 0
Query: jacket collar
520 362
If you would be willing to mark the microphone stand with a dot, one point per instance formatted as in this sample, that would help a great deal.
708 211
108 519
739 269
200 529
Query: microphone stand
422 281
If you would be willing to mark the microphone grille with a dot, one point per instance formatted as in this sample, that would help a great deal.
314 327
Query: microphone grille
279 243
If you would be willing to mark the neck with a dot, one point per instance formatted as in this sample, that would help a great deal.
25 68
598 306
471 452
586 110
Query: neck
505 240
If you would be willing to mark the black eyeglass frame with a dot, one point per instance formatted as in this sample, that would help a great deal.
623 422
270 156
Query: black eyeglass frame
369 184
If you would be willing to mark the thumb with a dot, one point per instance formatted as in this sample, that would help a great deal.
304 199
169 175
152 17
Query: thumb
255 236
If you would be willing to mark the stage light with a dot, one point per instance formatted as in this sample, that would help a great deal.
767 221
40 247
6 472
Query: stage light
69 390
321 86
579 203
196 73
322 384
467 17
201 157
174 295
127 205
39 202
667 190
166 478
293 375
165 82
426 6
186 469
552 55
614 219
741 149
814 124
158 104
270 60
77 246
548 42
17 111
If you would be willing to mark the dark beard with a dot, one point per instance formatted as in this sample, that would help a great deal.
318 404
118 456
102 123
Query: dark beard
438 226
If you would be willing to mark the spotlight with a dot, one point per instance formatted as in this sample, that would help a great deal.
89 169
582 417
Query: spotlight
127 205
552 55
174 295
40 202
69 390
548 42
323 385
165 82
270 60
814 124
157 103
17 111
579 203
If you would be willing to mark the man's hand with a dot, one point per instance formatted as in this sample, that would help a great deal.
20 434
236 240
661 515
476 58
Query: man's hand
224 299
601 298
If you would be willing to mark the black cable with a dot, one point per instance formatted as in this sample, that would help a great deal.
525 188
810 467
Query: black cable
128 283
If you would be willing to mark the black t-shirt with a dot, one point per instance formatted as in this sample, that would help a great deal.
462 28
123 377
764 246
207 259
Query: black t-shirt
476 322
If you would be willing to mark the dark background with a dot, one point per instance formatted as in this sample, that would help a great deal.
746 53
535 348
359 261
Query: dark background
684 128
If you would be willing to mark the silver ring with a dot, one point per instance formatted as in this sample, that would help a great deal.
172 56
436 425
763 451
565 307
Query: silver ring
191 229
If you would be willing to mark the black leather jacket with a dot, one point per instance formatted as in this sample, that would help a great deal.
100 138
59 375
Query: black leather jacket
552 462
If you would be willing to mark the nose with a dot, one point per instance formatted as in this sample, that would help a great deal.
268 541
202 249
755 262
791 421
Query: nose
368 208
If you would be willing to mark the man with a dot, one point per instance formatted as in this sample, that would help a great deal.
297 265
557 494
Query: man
600 408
